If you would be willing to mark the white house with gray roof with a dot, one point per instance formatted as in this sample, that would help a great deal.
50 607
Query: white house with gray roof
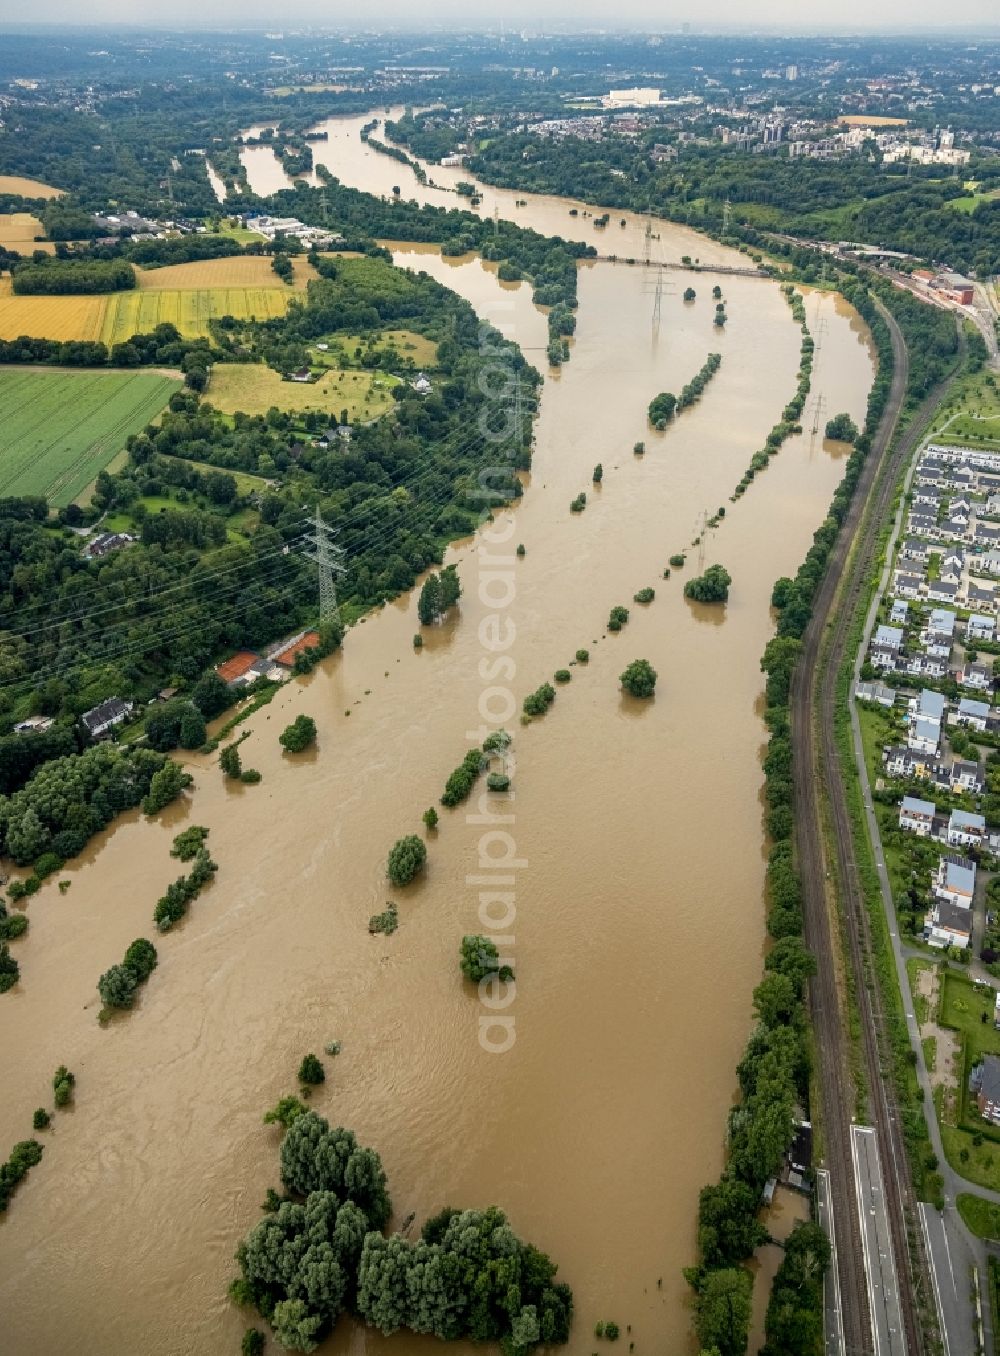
973 713
955 879
916 816
966 829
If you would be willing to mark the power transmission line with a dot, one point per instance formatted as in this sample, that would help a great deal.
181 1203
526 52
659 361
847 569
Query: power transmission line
329 559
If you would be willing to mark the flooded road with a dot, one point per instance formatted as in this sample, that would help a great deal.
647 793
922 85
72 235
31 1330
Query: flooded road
638 933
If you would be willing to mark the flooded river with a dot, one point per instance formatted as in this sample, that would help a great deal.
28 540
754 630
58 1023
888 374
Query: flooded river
639 927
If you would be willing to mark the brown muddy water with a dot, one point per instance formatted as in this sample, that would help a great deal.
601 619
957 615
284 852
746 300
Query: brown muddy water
638 933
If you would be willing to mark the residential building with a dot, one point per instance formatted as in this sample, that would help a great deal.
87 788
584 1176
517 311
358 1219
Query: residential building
899 612
952 565
100 720
976 676
876 692
916 816
903 762
922 525
930 704
888 637
883 658
941 622
940 591
928 665
982 596
924 735
950 925
965 777
980 627
907 585
955 879
966 829
972 713
988 563
985 1083
106 542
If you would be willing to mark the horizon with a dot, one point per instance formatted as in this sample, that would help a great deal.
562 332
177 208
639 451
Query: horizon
972 18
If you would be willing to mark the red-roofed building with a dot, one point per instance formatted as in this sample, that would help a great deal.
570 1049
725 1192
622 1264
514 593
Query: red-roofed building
286 655
234 669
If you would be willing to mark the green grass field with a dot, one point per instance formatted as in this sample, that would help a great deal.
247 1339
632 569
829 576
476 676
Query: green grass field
970 203
971 414
968 1010
61 428
252 388
982 1217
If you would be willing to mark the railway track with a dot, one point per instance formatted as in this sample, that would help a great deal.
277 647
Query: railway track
817 773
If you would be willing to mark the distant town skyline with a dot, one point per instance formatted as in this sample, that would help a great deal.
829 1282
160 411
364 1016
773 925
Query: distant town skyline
901 16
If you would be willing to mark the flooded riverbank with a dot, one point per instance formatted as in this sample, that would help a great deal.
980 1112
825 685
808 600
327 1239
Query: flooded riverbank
639 930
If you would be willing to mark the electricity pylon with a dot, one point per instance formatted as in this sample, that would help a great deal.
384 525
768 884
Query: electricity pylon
329 562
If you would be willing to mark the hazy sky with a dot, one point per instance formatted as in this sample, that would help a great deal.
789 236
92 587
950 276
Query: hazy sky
800 15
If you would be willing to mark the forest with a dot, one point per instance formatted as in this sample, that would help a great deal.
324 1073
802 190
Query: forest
51 277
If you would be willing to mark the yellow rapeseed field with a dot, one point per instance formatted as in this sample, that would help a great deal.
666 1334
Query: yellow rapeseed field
50 317
27 188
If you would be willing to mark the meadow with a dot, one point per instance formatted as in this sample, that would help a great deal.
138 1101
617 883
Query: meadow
251 388
970 203
343 347
61 428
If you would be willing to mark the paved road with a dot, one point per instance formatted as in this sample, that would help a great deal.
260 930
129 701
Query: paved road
833 1320
876 1240
950 1271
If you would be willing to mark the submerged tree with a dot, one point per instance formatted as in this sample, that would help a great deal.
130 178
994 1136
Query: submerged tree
639 679
407 856
480 959
710 587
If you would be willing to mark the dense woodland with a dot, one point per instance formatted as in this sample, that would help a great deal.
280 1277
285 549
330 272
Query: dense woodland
52 277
